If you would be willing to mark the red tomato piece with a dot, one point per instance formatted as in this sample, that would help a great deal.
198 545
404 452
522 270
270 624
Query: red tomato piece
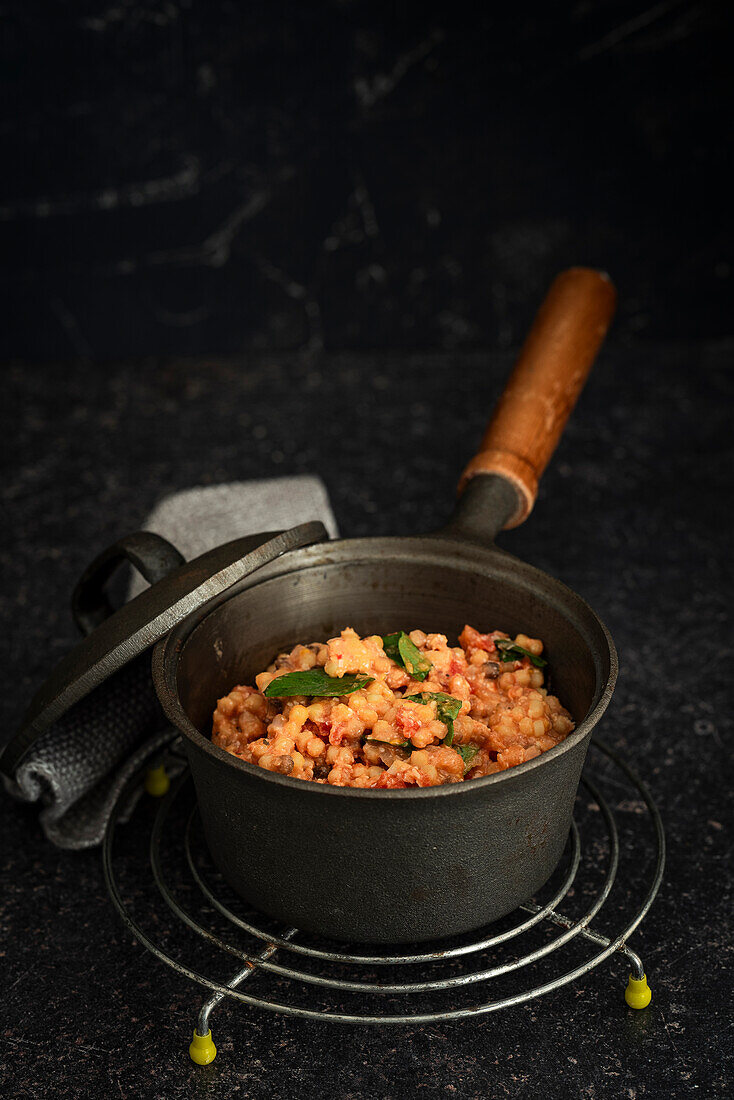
472 639
390 782
407 720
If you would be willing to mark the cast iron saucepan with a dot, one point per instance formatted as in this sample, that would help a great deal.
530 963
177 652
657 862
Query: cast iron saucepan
409 865
376 866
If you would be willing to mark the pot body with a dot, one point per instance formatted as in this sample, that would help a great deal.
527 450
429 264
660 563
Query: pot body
387 870
384 866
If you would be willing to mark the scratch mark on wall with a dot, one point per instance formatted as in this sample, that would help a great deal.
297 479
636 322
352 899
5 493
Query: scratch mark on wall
370 91
180 185
628 29
299 293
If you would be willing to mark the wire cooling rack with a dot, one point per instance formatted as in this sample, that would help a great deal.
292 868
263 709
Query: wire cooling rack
202 920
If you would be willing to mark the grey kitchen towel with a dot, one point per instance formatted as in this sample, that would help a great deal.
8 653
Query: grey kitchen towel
80 765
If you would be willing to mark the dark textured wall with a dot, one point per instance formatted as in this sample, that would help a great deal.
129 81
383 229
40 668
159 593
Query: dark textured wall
187 177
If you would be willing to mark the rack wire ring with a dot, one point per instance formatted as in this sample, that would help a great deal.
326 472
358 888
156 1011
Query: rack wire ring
366 987
384 960
579 927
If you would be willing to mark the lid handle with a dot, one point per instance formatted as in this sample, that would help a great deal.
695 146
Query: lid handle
141 622
153 557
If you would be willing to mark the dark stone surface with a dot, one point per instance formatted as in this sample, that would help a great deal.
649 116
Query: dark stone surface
633 514
188 177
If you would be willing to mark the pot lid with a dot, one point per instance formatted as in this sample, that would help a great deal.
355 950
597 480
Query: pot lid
141 622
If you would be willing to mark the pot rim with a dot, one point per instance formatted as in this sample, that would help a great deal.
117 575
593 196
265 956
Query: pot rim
167 651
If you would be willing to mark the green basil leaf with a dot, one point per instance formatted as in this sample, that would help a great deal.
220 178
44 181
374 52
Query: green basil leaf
467 754
447 708
390 645
399 648
415 663
314 681
511 651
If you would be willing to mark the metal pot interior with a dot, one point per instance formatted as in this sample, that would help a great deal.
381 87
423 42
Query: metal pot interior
381 585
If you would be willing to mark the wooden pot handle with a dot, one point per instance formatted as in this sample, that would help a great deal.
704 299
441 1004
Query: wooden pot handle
545 384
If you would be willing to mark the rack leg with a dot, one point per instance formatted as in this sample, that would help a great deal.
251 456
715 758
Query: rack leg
202 1049
638 993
